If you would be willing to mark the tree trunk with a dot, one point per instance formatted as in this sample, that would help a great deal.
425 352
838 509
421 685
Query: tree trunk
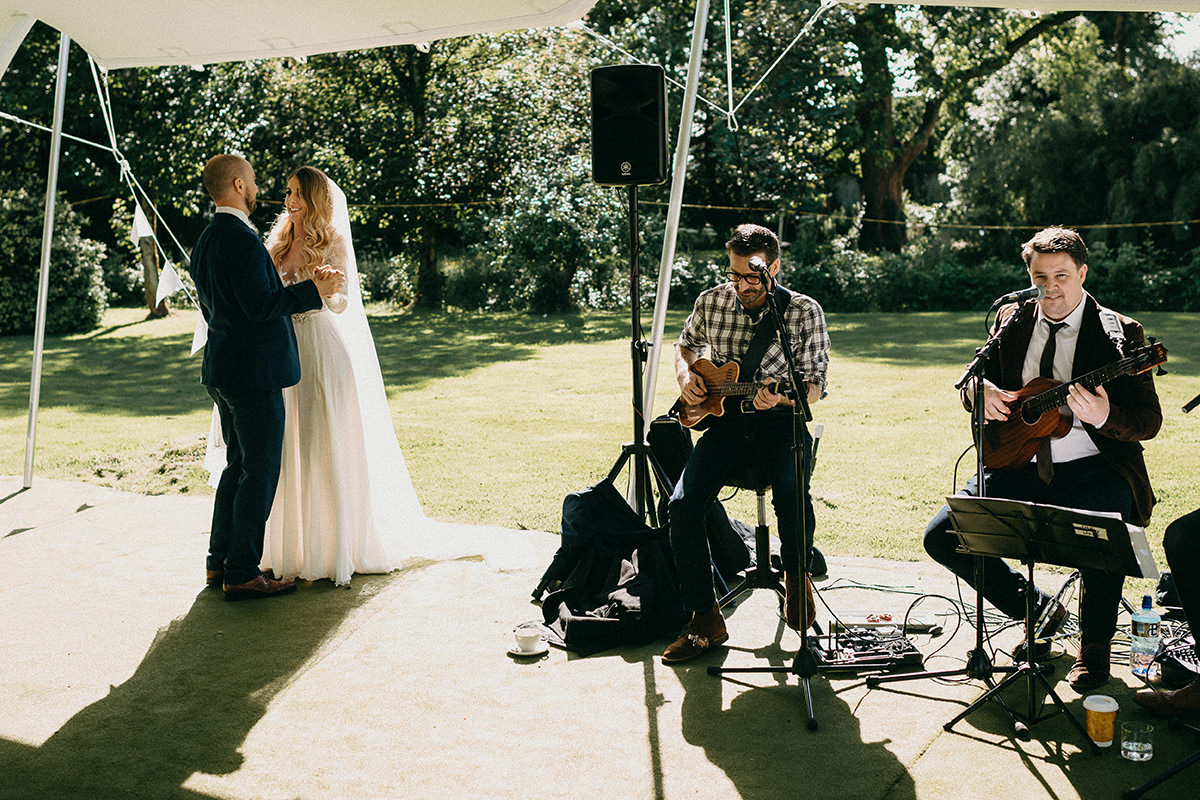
883 224
881 164
430 289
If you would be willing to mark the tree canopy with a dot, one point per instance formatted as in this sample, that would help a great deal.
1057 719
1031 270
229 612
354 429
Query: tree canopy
880 129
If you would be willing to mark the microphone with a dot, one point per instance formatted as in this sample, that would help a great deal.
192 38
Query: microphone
760 266
1032 293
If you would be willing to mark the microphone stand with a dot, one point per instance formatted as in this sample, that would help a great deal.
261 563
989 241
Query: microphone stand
979 665
805 664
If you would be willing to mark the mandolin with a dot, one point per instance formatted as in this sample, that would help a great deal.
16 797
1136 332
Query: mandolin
722 384
1011 443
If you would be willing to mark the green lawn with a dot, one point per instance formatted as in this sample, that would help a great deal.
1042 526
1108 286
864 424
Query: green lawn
501 415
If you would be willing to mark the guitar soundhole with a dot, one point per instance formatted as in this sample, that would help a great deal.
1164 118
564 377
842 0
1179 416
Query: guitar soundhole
1030 413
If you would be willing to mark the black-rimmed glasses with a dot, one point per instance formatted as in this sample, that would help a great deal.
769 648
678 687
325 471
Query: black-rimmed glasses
751 279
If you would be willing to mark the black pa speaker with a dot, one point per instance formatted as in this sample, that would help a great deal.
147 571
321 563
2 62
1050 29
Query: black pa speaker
629 125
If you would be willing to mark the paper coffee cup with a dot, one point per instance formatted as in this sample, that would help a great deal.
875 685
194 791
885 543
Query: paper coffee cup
1101 713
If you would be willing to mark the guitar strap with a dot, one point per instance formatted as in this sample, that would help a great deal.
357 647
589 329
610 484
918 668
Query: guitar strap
1112 326
764 334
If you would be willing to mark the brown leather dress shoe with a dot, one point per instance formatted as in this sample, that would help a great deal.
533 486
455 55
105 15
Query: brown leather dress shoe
705 631
1091 668
791 601
216 577
259 587
1183 702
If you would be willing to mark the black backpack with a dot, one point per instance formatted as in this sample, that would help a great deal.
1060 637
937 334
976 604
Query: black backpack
612 581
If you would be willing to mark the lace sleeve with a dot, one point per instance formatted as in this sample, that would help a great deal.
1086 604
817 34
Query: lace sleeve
336 257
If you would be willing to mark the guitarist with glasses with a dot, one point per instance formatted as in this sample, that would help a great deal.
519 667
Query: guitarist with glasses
1069 398
732 376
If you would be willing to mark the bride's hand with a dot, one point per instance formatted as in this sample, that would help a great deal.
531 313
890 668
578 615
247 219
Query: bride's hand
329 281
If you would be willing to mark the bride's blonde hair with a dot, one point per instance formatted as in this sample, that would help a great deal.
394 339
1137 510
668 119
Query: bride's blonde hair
318 222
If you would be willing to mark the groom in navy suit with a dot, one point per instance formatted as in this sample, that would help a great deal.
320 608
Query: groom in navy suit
249 358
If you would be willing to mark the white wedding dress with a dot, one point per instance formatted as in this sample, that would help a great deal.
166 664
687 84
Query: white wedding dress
327 521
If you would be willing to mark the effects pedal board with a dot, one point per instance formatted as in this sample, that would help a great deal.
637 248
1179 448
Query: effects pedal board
865 649
883 621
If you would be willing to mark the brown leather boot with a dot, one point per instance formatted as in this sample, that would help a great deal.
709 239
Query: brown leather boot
791 601
705 631
1091 668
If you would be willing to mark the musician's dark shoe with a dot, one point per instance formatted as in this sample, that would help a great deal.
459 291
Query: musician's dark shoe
1183 702
705 631
1048 623
1091 668
791 601
258 588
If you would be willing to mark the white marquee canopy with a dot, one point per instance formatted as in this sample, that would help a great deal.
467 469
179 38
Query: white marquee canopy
141 33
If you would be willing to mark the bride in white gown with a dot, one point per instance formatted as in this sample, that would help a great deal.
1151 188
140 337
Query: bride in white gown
345 502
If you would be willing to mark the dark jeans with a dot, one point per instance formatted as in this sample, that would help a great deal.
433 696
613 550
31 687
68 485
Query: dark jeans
252 425
1181 541
762 439
1089 484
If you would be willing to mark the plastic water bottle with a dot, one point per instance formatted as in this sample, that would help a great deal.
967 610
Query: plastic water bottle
1144 638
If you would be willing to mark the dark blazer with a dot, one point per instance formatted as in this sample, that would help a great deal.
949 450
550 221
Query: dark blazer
251 344
1134 413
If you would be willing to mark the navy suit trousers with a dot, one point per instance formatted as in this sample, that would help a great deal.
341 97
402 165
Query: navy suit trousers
252 423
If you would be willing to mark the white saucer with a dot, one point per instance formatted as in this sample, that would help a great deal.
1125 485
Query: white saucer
541 649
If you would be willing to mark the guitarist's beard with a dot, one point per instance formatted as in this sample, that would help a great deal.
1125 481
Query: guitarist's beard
753 297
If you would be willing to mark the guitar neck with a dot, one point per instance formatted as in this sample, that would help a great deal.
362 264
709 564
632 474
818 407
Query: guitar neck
733 389
1057 397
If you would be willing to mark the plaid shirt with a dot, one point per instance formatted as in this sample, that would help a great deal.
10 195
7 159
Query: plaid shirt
719 329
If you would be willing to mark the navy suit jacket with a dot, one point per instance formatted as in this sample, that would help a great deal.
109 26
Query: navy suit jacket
251 343
1134 411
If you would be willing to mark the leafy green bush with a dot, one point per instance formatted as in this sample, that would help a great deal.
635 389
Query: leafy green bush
76 299
1142 277
123 280
387 279
476 284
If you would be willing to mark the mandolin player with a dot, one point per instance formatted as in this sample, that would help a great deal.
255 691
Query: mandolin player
1092 460
730 324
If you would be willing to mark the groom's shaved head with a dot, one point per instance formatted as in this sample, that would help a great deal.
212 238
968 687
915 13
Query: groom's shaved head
220 172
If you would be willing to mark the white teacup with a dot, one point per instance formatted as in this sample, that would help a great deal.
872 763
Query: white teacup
528 638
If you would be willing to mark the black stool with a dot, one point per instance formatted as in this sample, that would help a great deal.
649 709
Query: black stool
762 574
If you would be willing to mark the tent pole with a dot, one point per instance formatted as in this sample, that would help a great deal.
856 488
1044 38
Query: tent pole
39 331
679 177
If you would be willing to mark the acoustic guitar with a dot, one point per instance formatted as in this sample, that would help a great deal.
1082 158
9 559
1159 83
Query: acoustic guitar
722 384
1011 443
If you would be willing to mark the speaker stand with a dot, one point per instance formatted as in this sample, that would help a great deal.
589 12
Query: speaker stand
641 460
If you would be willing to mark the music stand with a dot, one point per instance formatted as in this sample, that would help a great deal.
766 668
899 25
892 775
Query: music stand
978 665
1045 534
